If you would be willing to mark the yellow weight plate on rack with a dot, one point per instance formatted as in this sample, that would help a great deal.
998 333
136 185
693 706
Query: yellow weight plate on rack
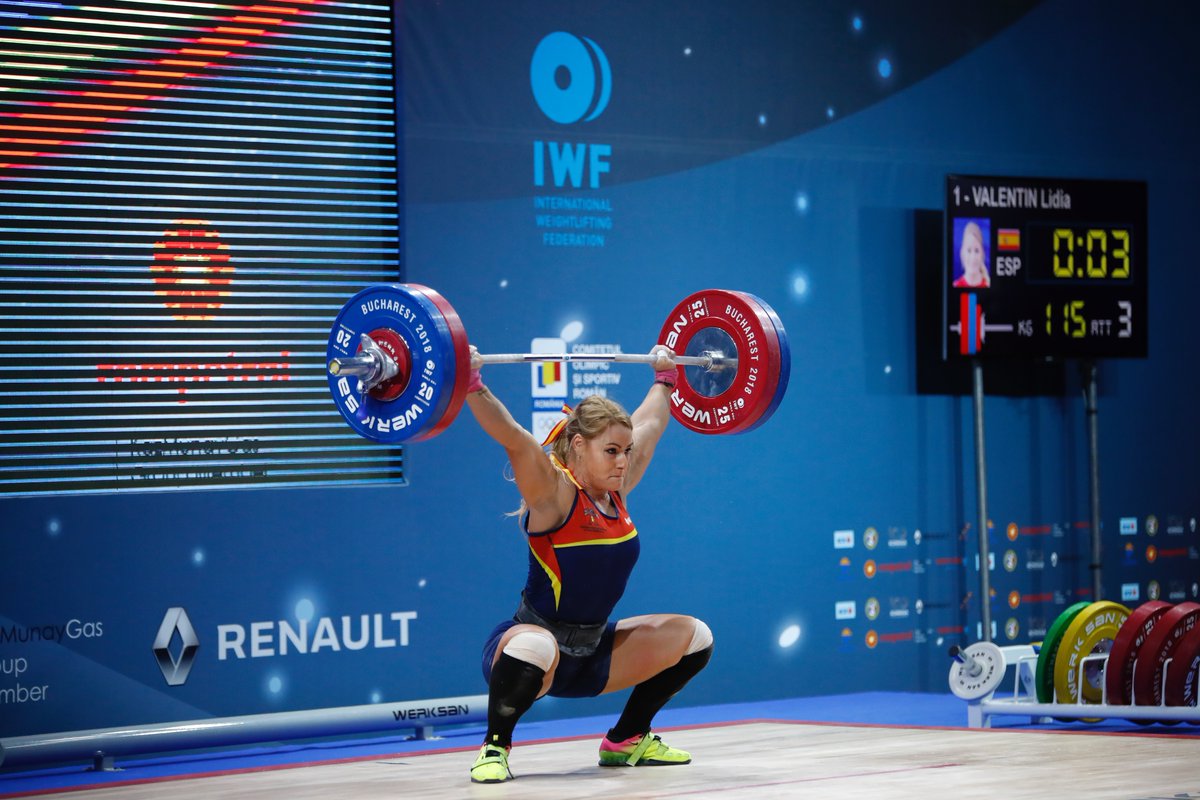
1091 632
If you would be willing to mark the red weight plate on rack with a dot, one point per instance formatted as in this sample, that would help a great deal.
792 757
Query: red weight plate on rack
462 360
1118 674
725 401
1160 645
1181 674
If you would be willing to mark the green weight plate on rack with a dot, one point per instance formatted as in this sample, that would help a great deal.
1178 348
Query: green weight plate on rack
1044 673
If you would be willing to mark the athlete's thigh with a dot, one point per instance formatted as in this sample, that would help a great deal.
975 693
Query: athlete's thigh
646 645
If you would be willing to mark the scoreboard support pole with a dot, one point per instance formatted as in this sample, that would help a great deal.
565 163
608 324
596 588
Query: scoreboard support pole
1090 405
985 590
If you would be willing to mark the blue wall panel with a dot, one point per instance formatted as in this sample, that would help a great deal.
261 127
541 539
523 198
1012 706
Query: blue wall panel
808 208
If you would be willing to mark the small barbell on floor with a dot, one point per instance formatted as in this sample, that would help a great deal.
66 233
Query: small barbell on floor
398 362
976 671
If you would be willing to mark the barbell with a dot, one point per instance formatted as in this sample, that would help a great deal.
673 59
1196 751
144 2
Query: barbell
398 362
976 671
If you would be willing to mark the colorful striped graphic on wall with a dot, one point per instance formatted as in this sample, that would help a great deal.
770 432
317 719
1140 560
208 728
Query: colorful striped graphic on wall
189 192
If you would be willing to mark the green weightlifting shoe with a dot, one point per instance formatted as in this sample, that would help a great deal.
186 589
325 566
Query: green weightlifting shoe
648 750
491 766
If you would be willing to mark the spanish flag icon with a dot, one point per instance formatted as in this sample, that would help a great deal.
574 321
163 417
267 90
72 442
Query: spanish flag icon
1009 239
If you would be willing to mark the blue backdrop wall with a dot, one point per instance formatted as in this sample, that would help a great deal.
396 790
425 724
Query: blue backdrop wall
766 147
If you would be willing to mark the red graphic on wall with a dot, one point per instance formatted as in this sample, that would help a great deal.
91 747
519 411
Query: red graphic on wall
112 102
191 269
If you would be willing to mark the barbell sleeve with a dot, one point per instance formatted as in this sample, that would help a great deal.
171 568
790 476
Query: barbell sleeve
970 665
362 366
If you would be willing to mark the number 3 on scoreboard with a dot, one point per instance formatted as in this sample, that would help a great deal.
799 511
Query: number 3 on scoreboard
1126 319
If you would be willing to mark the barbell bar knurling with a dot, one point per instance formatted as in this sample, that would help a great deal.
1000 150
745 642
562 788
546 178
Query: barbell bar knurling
710 361
367 365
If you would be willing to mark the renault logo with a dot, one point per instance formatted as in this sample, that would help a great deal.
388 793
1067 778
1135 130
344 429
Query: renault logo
175 670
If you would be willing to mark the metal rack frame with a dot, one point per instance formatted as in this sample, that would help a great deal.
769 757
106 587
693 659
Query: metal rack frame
1023 701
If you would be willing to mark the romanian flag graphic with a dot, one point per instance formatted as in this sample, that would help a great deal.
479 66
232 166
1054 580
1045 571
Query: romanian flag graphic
550 373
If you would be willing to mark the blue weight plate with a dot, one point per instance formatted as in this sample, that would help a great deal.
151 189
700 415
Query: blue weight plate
785 359
422 328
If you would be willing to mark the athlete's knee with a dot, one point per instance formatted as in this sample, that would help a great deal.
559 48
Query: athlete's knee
702 637
534 646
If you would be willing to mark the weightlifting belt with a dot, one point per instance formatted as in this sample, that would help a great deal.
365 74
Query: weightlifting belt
574 640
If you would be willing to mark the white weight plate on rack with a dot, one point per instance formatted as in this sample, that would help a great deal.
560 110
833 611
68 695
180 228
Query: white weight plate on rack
980 674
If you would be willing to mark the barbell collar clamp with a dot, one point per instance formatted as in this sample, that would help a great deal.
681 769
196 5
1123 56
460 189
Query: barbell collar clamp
371 365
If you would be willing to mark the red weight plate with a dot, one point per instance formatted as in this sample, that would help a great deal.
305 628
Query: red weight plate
728 322
462 359
785 360
1118 673
1181 674
391 343
1160 645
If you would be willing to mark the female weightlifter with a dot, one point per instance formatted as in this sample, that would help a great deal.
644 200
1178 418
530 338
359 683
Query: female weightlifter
582 548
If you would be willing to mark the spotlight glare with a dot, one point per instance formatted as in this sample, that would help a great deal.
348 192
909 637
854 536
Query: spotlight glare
571 331
304 610
789 637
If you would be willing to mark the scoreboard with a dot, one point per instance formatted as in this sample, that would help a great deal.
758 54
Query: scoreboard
1044 267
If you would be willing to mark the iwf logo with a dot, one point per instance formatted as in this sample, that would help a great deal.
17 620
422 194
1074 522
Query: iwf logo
571 78
571 82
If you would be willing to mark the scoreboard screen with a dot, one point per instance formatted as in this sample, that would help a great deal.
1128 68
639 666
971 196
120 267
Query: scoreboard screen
189 192
1044 267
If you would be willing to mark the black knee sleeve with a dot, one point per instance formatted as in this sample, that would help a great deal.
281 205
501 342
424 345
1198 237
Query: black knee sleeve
649 696
514 686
